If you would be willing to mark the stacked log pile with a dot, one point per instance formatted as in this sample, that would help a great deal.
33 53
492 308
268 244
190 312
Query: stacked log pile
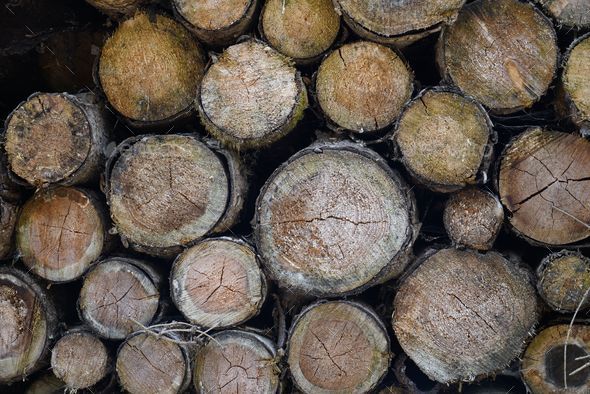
295 196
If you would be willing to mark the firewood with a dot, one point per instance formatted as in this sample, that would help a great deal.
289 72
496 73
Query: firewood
8 217
576 85
116 7
569 13
46 383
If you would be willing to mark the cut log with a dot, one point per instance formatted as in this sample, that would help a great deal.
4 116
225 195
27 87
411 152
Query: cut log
61 232
463 315
28 324
216 23
218 283
338 346
502 52
165 192
569 13
303 30
237 362
150 69
57 138
473 218
576 84
398 22
334 219
46 383
116 7
119 294
8 217
148 363
363 86
252 96
445 140
544 182
543 368
80 359
562 281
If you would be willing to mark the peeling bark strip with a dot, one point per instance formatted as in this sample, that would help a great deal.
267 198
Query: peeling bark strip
570 13
8 217
544 183
118 293
576 83
151 364
28 324
473 218
252 96
116 7
60 232
80 359
218 283
150 69
338 347
57 138
237 362
445 139
463 315
363 86
502 52
563 279
542 367
334 219
302 30
166 192
218 22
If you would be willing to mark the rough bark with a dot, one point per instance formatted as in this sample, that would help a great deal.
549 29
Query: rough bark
334 219
575 82
117 294
338 346
303 30
462 315
445 140
28 324
57 138
542 366
502 52
61 232
8 217
251 96
218 283
569 13
544 182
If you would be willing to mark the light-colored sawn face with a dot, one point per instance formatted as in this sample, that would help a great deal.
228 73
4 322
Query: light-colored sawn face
212 14
575 78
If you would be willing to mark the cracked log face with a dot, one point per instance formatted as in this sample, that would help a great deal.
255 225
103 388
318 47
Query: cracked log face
79 359
218 22
302 30
338 347
363 86
398 22
56 138
473 218
148 364
150 69
60 232
571 13
544 183
166 192
252 96
334 219
502 52
563 279
576 83
542 367
444 138
463 315
237 362
117 294
28 322
8 217
218 283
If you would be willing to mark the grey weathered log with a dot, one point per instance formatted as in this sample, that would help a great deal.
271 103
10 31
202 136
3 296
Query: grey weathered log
568 13
575 84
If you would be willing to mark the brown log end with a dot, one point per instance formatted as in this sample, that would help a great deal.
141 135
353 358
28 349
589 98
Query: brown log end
463 315
444 139
473 218
252 96
338 346
150 69
544 182
502 52
363 86
543 369
116 7
8 218
563 279
334 219
575 81
60 232
570 13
